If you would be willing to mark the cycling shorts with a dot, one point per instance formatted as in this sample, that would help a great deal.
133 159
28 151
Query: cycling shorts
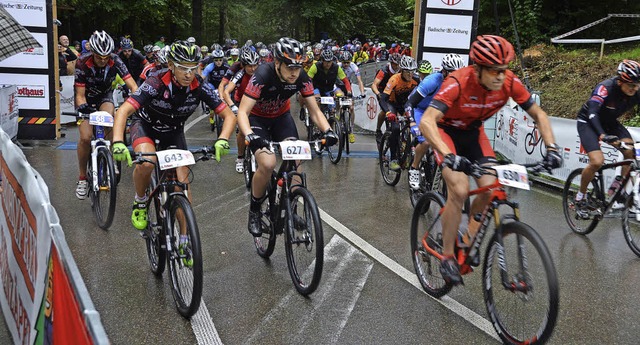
274 128
589 138
417 114
97 100
472 144
141 132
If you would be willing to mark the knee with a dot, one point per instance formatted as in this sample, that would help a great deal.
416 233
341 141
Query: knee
596 162
145 169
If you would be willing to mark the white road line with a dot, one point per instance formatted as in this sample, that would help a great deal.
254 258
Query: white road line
203 327
466 313
193 123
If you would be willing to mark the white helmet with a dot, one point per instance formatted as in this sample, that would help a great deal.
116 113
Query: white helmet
191 40
452 62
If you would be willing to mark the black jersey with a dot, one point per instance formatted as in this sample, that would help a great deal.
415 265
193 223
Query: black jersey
97 81
606 104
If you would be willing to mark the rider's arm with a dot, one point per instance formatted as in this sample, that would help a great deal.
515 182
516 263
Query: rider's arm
429 128
207 70
384 96
360 84
120 122
376 82
131 84
80 95
246 104
593 106
209 97
226 95
343 77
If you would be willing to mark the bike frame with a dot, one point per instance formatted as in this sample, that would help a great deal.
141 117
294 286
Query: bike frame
98 142
599 177
286 172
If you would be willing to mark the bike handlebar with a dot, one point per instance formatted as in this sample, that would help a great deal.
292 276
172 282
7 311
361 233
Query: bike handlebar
205 153
478 170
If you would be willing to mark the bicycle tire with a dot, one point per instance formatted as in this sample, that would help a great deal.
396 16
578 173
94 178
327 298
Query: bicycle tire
155 233
118 171
347 129
186 282
630 226
389 176
267 241
218 123
571 188
335 153
517 238
305 250
104 210
528 140
416 194
425 223
247 166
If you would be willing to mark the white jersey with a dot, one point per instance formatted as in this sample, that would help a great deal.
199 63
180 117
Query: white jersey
350 70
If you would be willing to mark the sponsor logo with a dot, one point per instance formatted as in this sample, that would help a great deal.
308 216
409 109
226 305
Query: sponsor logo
451 2
447 30
31 91
602 91
372 108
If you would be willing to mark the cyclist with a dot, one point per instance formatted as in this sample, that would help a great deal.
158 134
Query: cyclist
325 73
379 83
94 75
234 56
453 126
392 100
159 63
250 60
264 114
162 105
132 58
350 68
214 71
419 100
597 118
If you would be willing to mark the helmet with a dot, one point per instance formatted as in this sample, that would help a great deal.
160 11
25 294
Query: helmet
183 51
491 50
216 46
162 55
249 57
191 40
383 45
126 44
327 55
204 49
452 62
155 49
629 71
260 45
310 55
234 42
264 52
148 48
218 53
101 43
234 51
408 63
334 48
425 67
346 56
395 58
290 52
248 43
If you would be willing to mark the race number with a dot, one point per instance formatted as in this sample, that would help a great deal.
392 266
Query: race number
101 118
295 150
169 159
346 102
327 100
513 175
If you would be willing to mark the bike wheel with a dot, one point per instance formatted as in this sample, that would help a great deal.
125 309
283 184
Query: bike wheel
416 194
248 167
218 124
185 262
524 309
118 171
426 233
104 205
335 153
304 243
347 128
389 176
267 241
529 143
630 225
578 224
154 234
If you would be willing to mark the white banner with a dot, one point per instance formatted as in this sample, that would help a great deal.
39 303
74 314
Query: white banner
366 110
9 110
25 241
447 31
451 4
27 12
67 97
32 89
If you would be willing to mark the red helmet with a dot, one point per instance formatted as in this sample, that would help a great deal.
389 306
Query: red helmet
491 50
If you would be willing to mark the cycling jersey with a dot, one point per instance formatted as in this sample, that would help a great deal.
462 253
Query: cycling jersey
97 81
214 74
350 70
398 91
166 105
606 104
134 63
360 57
466 103
383 55
241 79
383 75
325 80
271 94
148 69
426 90
233 69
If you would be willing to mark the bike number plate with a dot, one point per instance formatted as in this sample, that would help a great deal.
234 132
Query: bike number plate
295 150
101 118
327 100
513 175
346 102
169 159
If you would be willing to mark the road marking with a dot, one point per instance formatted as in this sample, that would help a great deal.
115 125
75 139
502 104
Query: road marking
203 327
193 123
466 313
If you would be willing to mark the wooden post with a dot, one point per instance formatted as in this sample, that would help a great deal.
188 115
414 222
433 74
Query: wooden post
56 66
416 29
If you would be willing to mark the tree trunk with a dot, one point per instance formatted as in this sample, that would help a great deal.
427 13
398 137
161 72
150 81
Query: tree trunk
196 18
223 21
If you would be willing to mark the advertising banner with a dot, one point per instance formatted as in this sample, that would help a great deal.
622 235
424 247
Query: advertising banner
9 110
67 97
366 111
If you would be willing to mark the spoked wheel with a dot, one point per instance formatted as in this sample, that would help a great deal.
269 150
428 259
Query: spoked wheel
348 128
630 224
391 177
523 301
154 234
335 152
104 204
267 241
416 194
248 167
218 124
185 259
426 239
581 224
305 248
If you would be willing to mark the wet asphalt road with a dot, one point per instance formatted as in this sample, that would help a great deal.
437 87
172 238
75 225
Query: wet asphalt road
360 300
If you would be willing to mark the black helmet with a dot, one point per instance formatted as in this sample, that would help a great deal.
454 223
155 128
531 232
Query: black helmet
290 52
327 55
183 51
101 43
126 44
629 71
249 57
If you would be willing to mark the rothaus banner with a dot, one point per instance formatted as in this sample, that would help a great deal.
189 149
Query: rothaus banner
446 26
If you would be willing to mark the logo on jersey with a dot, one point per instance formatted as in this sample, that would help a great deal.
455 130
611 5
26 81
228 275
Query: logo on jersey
372 108
602 91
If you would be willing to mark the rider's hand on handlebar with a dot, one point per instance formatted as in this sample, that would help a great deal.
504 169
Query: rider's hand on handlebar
222 148
458 163
330 138
552 160
121 152
349 94
257 142
391 116
86 109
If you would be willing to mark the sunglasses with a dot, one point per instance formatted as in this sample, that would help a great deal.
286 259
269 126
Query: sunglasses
185 69
218 60
494 72
101 57
633 85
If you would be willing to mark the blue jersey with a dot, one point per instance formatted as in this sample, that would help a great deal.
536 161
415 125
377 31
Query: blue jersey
428 88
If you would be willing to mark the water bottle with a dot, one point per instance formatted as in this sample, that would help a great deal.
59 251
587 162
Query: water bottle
614 185
279 190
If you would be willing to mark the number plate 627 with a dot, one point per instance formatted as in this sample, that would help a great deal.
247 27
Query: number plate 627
295 150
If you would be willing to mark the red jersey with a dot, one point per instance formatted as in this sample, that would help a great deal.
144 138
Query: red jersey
466 104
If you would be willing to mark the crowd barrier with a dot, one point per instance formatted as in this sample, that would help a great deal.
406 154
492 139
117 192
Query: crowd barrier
43 299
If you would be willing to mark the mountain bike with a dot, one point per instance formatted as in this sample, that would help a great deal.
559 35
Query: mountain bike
170 215
519 279
102 174
430 176
600 204
290 208
402 145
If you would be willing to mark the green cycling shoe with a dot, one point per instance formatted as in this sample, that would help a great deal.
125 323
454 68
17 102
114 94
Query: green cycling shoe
185 253
139 215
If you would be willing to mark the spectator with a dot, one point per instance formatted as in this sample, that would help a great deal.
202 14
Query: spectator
160 42
85 47
69 54
66 66
77 48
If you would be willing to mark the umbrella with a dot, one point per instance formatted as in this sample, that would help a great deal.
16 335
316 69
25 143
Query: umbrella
14 38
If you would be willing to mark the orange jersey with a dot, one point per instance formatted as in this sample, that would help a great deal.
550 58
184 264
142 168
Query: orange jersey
466 104
398 89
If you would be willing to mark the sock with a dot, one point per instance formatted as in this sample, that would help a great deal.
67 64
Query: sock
184 239
579 196
82 178
141 199
471 232
255 203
